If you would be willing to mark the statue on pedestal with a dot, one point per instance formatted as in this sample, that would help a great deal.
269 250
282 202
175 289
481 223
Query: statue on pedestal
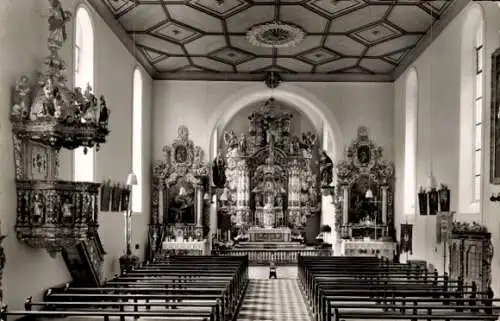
269 213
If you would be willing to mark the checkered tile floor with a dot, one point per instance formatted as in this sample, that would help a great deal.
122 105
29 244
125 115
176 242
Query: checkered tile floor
273 300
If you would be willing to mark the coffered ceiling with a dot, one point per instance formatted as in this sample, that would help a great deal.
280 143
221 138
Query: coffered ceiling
370 40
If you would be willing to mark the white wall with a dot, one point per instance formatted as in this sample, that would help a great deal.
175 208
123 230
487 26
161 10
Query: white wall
23 35
439 69
196 103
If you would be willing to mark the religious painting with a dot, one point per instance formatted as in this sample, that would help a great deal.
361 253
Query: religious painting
495 119
364 154
180 154
181 199
106 191
406 238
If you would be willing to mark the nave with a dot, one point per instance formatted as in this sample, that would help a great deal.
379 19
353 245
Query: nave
202 288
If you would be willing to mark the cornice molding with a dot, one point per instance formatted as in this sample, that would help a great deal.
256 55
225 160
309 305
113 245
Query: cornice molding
208 76
122 35
451 13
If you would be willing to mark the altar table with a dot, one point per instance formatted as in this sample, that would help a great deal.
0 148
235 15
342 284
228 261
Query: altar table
368 248
280 234
191 247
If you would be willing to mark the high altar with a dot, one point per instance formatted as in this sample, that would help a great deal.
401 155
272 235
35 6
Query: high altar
364 199
271 185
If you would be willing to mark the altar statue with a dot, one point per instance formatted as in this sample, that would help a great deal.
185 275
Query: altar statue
269 177
269 213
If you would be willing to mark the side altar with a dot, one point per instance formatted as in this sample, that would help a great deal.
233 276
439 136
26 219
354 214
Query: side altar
364 198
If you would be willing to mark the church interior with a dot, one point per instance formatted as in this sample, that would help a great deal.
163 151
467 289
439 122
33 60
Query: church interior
250 160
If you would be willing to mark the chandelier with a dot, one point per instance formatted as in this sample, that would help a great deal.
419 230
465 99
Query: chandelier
275 34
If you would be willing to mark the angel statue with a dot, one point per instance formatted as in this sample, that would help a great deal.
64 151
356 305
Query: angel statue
57 21
22 99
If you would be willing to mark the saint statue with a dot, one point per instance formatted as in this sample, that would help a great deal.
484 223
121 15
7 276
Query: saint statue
219 171
57 21
269 213
326 169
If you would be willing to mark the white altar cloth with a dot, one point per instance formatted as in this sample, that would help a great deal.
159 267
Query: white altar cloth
368 248
199 246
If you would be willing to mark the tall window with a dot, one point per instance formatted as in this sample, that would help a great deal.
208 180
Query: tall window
137 141
83 164
410 148
478 114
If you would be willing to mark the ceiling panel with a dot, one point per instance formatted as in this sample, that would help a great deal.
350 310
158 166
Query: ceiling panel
410 18
142 17
370 37
205 45
294 65
195 18
358 18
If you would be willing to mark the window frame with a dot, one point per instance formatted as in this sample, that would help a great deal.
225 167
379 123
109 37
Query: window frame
79 49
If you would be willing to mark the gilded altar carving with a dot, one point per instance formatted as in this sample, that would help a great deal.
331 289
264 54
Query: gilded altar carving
270 181
364 169
176 179
46 116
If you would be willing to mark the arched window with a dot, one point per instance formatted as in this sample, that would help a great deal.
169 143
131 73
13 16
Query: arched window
411 119
471 111
137 140
83 164
478 113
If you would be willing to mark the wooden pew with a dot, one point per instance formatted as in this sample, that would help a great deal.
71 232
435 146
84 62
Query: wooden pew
182 285
334 287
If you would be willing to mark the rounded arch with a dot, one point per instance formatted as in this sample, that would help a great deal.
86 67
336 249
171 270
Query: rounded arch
84 42
410 146
293 95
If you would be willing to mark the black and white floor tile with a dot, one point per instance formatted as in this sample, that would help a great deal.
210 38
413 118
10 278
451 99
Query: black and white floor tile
275 299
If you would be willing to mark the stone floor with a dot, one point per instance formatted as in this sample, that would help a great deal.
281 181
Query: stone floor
262 272
275 299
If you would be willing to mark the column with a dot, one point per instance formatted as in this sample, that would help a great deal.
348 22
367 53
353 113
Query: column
160 204
345 207
328 214
384 205
199 206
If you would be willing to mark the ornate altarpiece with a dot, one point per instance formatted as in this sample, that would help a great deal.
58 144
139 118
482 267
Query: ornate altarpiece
271 180
178 185
364 169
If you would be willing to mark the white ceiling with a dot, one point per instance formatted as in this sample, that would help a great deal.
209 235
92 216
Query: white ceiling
345 39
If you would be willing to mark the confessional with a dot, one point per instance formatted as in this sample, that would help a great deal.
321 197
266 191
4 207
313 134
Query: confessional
471 252
364 199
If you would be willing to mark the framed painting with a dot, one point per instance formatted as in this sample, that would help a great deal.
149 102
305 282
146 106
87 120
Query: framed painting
495 119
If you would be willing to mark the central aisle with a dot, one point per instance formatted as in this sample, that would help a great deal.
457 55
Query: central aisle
273 300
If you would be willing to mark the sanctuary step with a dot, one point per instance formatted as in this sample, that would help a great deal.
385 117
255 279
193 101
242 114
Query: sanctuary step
273 300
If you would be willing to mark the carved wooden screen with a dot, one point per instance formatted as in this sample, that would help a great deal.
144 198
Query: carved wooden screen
471 252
